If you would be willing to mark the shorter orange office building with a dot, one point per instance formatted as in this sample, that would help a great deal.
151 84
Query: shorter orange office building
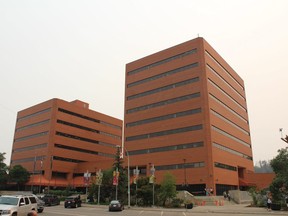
58 141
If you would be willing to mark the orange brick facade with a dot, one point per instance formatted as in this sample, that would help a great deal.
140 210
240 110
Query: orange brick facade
186 113
63 140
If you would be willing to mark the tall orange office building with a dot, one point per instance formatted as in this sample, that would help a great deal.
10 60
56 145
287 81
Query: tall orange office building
186 113
58 141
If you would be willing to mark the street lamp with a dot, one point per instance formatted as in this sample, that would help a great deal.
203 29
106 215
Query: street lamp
152 180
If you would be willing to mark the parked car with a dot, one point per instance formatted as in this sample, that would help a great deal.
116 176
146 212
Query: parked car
72 202
40 204
50 200
19 205
115 205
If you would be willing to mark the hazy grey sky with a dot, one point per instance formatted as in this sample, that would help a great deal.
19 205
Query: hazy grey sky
75 49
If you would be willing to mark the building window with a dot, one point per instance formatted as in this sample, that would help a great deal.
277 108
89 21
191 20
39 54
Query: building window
227 95
88 118
44 145
164 133
163 103
228 108
225 166
224 148
180 166
224 69
146 67
165 117
164 88
165 74
231 136
84 150
68 159
221 78
31 136
83 139
167 148
87 129
32 125
229 122
34 114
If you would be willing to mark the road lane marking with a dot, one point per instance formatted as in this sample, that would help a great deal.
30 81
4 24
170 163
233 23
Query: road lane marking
64 213
184 213
140 212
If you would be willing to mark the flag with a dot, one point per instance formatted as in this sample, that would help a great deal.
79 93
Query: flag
115 177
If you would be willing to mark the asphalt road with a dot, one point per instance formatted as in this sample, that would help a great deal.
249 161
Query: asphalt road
198 211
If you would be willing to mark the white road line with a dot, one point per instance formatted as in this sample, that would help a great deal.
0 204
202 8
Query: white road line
184 213
162 213
64 213
140 212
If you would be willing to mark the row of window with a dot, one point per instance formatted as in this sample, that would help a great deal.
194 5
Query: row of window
167 148
84 150
227 95
24 160
88 118
224 148
87 129
29 148
32 125
231 136
164 133
84 139
224 69
180 166
227 107
229 122
68 159
165 74
221 78
165 117
163 103
164 88
225 166
34 114
31 136
146 67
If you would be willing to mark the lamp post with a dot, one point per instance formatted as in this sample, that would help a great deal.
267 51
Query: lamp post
152 180
136 174
87 176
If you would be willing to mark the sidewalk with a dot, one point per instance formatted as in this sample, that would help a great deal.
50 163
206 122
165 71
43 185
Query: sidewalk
229 209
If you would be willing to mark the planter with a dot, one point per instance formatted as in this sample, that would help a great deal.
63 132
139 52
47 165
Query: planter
276 206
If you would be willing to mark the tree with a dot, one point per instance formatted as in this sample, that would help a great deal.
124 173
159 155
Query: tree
19 175
263 167
279 186
3 170
167 188
144 192
122 176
